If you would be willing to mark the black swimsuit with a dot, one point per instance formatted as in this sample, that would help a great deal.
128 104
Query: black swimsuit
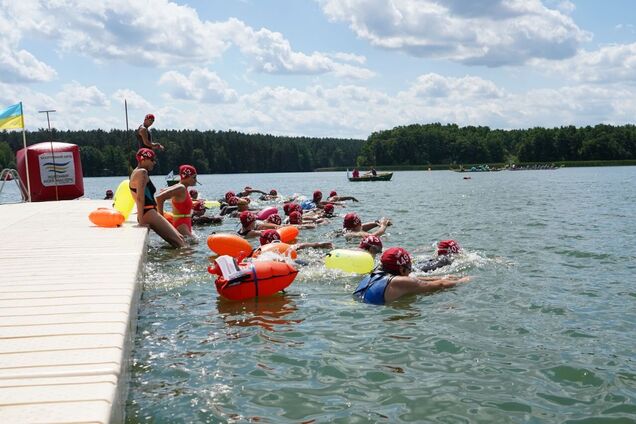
140 139
149 196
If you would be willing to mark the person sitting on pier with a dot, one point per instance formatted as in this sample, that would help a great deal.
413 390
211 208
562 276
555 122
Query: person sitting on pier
181 200
143 191
392 280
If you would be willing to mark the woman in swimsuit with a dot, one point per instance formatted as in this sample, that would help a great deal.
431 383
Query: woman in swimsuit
143 191
181 200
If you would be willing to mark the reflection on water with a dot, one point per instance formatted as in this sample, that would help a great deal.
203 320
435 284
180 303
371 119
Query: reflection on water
270 313
543 333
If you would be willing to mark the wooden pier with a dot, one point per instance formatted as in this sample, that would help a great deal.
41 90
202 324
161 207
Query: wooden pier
69 293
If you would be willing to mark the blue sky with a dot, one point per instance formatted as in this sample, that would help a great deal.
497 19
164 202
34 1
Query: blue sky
324 68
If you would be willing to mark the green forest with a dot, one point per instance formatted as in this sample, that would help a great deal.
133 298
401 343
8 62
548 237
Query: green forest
107 153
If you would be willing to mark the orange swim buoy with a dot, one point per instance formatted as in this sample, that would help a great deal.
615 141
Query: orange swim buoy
229 244
288 234
260 279
106 217
280 248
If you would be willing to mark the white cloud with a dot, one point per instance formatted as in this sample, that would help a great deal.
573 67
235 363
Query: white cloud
201 85
486 32
77 96
162 35
134 100
609 64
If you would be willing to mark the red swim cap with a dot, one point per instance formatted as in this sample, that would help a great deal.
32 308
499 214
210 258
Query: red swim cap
247 218
233 201
145 153
273 192
228 195
351 220
150 116
193 193
328 208
371 241
186 171
446 247
274 219
269 236
317 196
295 217
395 257
333 193
286 208
109 192
295 207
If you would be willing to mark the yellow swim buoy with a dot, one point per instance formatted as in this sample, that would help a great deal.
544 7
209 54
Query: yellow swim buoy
355 261
123 200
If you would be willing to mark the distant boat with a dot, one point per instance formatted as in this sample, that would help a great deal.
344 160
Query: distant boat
381 176
171 179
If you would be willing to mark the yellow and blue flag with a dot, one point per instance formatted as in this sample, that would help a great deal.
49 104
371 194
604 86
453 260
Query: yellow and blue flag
12 117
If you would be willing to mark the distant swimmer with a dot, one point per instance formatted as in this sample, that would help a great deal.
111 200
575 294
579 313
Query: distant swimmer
198 211
272 195
249 190
109 195
143 191
333 197
353 226
446 249
392 280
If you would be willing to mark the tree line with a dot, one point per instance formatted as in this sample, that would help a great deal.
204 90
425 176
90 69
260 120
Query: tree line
451 144
111 153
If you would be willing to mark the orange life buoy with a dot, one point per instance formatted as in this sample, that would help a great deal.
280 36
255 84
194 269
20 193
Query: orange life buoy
288 234
229 244
106 217
260 279
280 248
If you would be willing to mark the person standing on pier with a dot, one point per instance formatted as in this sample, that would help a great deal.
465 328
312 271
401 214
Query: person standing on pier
144 135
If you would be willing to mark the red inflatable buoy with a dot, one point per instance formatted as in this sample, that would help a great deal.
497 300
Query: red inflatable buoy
260 279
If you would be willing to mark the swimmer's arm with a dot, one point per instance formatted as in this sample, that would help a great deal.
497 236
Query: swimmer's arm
436 283
315 245
167 194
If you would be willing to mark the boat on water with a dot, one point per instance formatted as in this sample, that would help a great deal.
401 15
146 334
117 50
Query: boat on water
380 176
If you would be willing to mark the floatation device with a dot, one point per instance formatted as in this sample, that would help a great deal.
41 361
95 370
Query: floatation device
229 244
288 234
106 217
123 200
264 213
355 261
258 279
212 204
283 249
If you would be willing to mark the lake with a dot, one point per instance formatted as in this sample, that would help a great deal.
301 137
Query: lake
543 333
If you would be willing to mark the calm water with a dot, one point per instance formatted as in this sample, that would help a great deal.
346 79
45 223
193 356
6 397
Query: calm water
544 332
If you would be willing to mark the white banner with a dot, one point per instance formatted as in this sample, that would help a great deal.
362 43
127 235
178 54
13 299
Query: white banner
58 167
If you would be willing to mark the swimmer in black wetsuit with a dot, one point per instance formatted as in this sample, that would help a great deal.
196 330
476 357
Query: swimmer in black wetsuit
445 251
143 191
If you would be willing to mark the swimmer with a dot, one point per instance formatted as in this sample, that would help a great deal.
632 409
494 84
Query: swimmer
272 195
248 225
333 197
181 200
446 249
272 236
249 190
199 209
143 191
353 227
392 280
371 244
109 195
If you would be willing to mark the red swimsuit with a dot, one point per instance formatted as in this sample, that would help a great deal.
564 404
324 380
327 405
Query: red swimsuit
182 212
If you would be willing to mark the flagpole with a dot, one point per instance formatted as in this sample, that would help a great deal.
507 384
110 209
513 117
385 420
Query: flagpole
26 156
